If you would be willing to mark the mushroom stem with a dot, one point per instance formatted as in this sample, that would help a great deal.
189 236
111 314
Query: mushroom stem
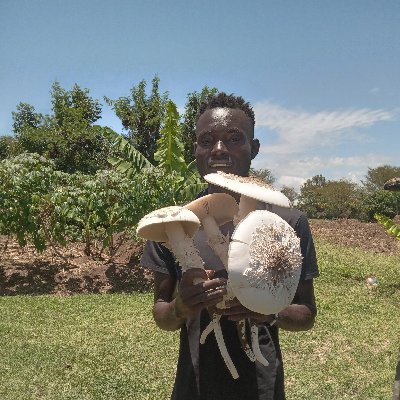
241 329
182 247
256 346
246 205
222 347
218 242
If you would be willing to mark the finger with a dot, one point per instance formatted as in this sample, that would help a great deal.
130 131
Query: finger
207 298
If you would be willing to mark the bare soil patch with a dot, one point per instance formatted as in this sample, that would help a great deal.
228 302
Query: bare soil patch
66 270
355 234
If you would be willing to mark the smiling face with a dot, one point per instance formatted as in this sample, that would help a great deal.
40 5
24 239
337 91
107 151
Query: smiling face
225 142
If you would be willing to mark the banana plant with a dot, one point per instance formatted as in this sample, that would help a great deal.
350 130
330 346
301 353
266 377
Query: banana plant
169 156
389 225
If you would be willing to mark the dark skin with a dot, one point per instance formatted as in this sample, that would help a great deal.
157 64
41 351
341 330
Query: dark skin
225 142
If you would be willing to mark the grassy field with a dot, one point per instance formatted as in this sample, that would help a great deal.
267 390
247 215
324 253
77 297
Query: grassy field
107 346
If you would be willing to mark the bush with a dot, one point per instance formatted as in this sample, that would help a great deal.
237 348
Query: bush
380 202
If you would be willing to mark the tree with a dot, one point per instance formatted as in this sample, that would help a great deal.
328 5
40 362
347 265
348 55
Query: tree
24 117
380 202
263 174
311 199
376 177
290 193
69 135
188 126
342 199
183 179
9 147
141 116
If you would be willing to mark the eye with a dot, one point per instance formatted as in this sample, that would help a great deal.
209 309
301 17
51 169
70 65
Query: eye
205 141
235 138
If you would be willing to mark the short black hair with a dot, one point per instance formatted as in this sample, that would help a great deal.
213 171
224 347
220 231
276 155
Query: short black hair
227 101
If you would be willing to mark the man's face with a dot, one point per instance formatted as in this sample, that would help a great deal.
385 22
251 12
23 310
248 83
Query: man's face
225 142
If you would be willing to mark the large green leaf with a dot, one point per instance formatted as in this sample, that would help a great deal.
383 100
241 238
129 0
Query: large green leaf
170 149
389 225
132 160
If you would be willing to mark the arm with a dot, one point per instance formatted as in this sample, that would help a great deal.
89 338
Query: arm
299 316
171 313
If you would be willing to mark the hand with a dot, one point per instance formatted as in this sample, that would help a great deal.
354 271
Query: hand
235 311
193 297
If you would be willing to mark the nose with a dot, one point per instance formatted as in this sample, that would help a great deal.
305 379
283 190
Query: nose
219 147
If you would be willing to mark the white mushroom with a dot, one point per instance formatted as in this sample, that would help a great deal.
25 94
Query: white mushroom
174 226
214 210
264 262
251 190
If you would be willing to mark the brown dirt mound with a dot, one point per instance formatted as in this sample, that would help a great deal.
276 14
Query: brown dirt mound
65 270
353 233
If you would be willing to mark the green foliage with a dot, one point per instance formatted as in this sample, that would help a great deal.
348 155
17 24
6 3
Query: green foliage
42 206
127 160
320 198
142 116
188 126
183 179
263 174
311 199
376 177
9 147
391 227
25 184
25 117
380 202
169 154
68 136
290 193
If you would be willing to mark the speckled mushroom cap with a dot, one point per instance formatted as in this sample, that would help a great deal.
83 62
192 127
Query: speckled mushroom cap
221 206
152 225
264 262
392 184
248 186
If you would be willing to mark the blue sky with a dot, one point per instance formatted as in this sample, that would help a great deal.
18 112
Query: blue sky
323 76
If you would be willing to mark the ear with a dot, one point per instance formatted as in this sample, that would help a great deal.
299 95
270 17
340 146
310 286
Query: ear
255 148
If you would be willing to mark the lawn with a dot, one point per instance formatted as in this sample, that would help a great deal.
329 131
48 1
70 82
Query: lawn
107 346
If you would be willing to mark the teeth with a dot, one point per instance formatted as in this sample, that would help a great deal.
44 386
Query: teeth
220 165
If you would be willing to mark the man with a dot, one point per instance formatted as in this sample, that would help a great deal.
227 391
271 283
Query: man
225 142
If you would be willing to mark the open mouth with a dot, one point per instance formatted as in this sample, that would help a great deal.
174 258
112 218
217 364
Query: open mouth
220 164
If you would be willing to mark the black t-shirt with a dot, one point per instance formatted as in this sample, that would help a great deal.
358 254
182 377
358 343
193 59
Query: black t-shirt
201 372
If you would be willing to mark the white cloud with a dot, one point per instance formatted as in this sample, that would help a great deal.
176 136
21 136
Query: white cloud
299 130
304 144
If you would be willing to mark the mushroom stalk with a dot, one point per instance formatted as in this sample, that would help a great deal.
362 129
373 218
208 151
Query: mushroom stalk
256 346
218 242
182 247
246 206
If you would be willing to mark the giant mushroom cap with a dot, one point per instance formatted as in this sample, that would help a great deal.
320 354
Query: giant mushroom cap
248 186
392 184
152 225
264 262
221 206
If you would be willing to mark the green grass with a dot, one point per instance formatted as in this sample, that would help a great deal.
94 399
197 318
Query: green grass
83 347
107 346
